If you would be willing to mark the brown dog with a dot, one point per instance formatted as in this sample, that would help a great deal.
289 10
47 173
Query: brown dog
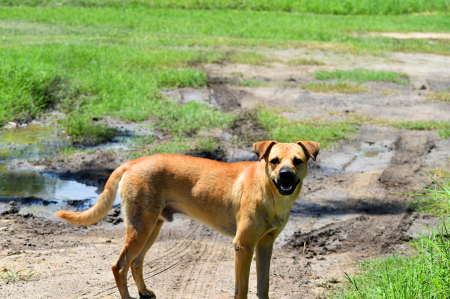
249 201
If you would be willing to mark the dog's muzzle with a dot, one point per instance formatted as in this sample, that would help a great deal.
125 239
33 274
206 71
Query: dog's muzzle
286 181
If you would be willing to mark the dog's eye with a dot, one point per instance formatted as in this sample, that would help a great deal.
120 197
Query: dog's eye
297 161
275 161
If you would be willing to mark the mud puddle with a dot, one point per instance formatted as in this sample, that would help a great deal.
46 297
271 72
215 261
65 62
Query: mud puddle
37 192
55 193
30 142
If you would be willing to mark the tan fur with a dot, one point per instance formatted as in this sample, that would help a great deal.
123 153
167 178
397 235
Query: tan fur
101 208
239 200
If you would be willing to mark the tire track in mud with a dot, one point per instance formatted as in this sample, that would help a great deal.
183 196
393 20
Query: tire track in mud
193 283
210 262
158 264
186 283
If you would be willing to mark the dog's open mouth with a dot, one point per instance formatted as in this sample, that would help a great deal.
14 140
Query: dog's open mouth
286 188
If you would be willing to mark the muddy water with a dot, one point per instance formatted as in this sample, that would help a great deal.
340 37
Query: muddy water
33 142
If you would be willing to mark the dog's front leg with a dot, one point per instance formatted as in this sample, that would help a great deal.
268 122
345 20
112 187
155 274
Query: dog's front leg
263 256
243 254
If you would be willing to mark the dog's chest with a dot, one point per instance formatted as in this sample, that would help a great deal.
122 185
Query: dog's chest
277 222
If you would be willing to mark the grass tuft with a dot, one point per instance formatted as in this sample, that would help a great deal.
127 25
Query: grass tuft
439 96
442 127
15 275
334 88
82 130
362 76
304 61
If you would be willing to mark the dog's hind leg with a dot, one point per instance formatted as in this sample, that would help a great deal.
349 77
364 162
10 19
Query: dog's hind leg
135 241
136 265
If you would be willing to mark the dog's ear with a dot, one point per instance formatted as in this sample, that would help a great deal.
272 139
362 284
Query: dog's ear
262 148
311 148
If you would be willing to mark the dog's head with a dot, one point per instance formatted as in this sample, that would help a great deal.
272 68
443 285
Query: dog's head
286 163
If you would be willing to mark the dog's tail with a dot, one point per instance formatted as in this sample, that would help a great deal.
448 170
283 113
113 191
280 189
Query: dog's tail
101 208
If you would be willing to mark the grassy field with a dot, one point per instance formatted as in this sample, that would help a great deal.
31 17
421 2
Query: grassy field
92 58
373 7
211 28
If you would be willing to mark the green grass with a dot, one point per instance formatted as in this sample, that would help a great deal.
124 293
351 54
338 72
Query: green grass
422 275
177 145
89 81
82 130
375 7
442 127
144 25
432 204
207 144
179 119
334 87
284 130
362 76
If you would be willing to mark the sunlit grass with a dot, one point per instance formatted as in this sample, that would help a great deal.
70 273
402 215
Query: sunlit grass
283 130
442 127
362 76
374 7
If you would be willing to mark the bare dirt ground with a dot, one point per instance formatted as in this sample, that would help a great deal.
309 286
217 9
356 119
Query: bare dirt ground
349 209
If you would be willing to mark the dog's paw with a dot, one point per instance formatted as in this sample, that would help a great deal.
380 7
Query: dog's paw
147 294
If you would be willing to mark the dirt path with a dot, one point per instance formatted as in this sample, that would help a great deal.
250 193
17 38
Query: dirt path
349 208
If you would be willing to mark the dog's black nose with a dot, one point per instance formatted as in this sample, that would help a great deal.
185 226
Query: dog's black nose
286 174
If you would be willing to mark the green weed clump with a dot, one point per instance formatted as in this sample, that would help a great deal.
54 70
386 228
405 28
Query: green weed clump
374 7
423 275
362 76
14 275
82 130
284 130
25 89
